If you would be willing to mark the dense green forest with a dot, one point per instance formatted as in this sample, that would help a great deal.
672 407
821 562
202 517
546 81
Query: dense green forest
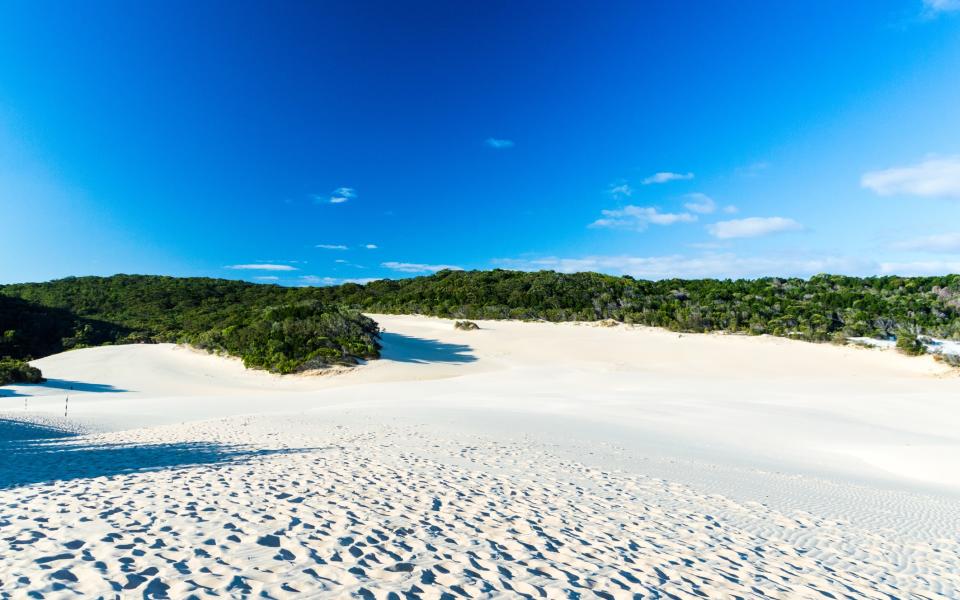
821 308
269 327
288 329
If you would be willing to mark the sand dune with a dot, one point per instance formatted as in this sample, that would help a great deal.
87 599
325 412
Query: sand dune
537 460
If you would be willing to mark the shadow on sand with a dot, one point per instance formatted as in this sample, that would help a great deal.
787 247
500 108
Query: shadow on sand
31 453
405 348
76 386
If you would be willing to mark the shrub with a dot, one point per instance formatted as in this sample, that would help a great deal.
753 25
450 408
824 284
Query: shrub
466 325
17 371
909 344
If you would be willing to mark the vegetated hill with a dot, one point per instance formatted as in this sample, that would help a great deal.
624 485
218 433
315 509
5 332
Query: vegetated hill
821 308
269 327
287 329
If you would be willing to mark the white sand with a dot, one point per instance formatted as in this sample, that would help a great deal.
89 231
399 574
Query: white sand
541 459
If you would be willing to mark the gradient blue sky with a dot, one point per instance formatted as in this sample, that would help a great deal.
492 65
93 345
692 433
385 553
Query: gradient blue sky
312 143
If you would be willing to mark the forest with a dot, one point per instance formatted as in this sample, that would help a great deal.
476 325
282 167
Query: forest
822 308
269 327
289 329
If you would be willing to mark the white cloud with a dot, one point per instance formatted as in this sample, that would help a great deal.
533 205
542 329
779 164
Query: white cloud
730 209
666 176
403 267
940 6
342 194
929 267
932 177
267 278
752 227
331 246
638 217
621 190
719 265
499 144
371 246
700 203
261 267
948 243
340 260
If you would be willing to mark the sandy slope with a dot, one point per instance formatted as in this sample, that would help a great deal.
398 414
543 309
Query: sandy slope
549 460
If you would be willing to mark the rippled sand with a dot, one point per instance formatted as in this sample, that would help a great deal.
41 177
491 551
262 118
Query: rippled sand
459 468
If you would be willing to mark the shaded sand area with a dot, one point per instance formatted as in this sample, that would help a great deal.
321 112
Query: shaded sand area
537 460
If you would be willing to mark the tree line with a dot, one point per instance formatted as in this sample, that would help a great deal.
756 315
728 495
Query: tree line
285 329
270 327
821 308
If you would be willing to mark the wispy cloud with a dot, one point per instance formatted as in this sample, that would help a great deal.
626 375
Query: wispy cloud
753 169
719 265
267 278
621 190
947 243
937 176
935 7
331 246
371 246
342 194
499 144
638 218
261 267
404 267
665 177
700 203
752 227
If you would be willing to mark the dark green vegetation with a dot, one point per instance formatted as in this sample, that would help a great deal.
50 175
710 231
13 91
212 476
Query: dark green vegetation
269 327
466 325
821 308
909 344
17 371
289 329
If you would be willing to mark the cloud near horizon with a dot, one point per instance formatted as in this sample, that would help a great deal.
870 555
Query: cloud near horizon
307 280
707 265
665 177
403 267
752 227
499 144
638 218
938 176
261 267
946 243
918 268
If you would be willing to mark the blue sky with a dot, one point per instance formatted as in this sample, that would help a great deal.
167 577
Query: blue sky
315 143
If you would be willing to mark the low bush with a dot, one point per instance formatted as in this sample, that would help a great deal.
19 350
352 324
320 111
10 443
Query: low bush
909 344
17 371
